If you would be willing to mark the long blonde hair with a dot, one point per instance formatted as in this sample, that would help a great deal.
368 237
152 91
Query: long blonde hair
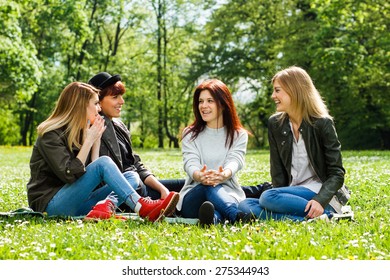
305 98
70 112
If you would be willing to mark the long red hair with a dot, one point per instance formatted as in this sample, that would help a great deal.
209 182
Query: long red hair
224 100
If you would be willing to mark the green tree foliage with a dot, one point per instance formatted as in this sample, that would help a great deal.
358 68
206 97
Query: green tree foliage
174 28
351 66
157 70
20 70
344 48
342 44
49 36
240 47
163 48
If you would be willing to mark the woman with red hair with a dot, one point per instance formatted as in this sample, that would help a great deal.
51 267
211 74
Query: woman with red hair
214 148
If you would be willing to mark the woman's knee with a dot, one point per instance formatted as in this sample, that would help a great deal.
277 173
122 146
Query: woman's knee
267 197
104 160
250 205
106 163
247 204
131 175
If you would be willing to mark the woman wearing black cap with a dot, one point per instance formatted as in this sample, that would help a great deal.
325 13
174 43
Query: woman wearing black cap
116 140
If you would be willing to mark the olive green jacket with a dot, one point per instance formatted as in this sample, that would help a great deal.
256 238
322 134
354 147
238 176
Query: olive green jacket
323 149
52 165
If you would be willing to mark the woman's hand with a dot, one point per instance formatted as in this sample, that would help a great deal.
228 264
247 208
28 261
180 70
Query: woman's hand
216 177
92 140
314 209
201 175
212 177
95 131
154 184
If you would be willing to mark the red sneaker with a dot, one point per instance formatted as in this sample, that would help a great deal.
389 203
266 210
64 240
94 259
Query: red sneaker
104 209
155 210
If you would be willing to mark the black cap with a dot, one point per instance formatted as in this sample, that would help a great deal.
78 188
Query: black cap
103 80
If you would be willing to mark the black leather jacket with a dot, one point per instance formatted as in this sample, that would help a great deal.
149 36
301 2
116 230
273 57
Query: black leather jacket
109 147
323 149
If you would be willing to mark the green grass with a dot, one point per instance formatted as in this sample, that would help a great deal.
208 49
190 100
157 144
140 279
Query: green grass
366 238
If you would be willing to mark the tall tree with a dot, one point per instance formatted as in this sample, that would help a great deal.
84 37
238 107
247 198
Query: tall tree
159 7
342 44
176 28
351 68
163 48
51 27
239 47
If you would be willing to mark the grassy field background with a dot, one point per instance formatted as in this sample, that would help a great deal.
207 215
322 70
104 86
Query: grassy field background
365 238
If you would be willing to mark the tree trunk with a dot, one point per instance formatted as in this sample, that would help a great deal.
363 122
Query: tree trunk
160 132
385 135
27 120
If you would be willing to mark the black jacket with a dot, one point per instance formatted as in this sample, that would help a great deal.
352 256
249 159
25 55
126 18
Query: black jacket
323 149
109 147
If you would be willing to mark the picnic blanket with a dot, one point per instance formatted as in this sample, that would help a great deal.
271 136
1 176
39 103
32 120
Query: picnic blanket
26 212
21 212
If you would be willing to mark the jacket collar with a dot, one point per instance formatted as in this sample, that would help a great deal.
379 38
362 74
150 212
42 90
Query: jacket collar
110 140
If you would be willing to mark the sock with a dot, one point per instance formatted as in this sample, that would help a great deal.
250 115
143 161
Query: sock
132 200
114 198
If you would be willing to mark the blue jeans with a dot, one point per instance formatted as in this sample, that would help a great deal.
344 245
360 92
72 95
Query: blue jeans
78 198
226 206
171 184
281 203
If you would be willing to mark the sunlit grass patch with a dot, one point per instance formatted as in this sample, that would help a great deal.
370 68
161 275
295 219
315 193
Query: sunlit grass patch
365 238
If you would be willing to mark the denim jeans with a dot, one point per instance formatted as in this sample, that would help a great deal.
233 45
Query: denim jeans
78 198
281 203
226 206
171 184
177 184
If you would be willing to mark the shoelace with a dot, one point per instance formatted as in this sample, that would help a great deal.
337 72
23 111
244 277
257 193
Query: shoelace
111 206
149 200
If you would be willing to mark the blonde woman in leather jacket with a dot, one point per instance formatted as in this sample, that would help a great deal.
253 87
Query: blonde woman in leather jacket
305 154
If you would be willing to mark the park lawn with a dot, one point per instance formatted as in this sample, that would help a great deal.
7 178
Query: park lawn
365 238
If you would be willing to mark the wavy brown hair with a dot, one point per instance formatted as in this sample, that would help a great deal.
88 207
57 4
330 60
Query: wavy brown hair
224 100
70 113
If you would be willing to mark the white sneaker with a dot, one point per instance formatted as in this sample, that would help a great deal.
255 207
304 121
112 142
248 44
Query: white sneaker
323 217
346 209
346 214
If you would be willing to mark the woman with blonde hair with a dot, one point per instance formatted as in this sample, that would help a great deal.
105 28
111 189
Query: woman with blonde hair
66 168
305 154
